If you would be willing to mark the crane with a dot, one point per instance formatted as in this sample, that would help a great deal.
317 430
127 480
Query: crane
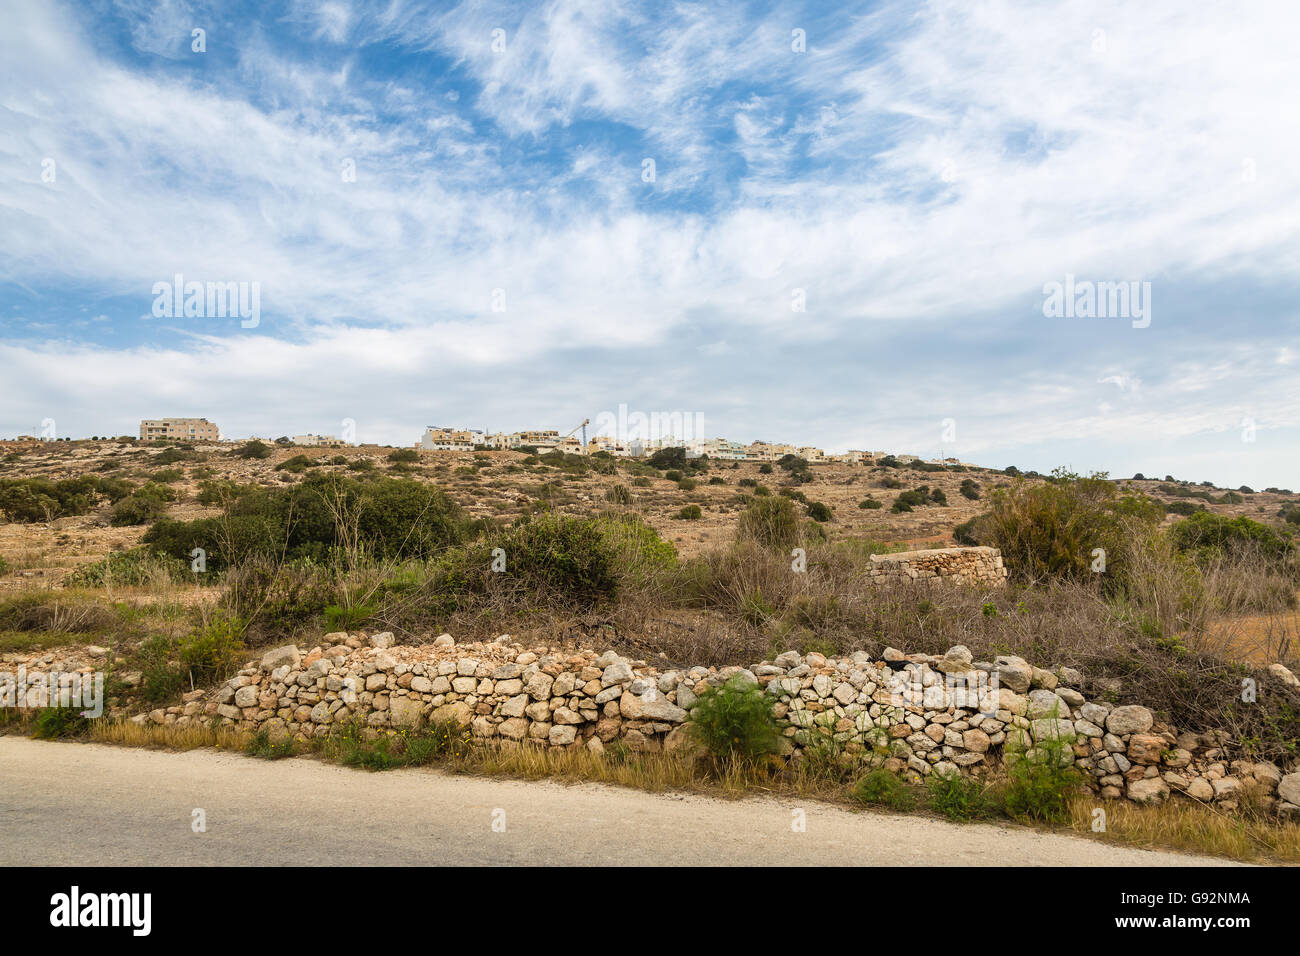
583 425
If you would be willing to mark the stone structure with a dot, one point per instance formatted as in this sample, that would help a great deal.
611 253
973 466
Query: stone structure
965 565
917 714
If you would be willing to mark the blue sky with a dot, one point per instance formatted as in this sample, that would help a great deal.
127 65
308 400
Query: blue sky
919 171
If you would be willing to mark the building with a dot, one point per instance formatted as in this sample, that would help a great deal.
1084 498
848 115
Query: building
193 429
319 441
436 438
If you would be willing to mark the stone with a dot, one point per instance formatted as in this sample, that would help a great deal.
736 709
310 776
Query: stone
616 673
1283 673
457 712
246 697
562 735
444 640
286 654
514 728
1148 790
1014 673
1129 719
1226 788
1288 788
1145 748
650 707
382 640
538 686
405 711
957 660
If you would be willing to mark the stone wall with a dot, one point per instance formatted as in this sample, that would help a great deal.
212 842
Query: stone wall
965 565
916 714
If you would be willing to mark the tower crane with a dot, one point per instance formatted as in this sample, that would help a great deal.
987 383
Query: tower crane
583 425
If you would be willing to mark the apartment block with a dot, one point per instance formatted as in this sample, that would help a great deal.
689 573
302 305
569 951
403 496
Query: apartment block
193 429
319 441
437 438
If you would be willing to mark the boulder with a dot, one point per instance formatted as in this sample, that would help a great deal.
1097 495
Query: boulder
1129 719
1288 788
286 654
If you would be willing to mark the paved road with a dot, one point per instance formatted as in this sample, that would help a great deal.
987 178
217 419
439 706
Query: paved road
90 804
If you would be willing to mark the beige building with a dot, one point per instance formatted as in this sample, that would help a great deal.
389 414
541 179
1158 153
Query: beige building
448 439
319 441
193 429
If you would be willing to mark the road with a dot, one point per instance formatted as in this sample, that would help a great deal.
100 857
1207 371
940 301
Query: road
91 804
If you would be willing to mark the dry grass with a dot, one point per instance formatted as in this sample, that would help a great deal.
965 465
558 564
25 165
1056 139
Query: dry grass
1193 827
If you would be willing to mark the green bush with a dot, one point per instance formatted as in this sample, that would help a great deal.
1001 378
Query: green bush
970 489
132 568
765 469
869 503
735 720
253 449
819 511
404 456
207 654
40 499
770 521
392 518
1039 785
143 506
958 797
690 513
880 787
672 475
1206 534
296 465
1050 530
55 722
687 484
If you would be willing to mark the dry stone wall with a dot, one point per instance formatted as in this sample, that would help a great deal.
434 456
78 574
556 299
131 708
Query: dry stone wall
982 566
915 714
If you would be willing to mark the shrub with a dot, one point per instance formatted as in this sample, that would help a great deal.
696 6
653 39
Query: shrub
1206 534
957 796
690 513
132 568
147 504
687 484
869 503
819 511
1050 530
55 722
40 499
261 745
880 787
765 469
253 449
735 720
672 475
970 489
772 522
322 517
619 495
1039 785
295 465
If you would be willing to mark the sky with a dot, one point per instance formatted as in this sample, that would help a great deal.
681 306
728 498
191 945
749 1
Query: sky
835 224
